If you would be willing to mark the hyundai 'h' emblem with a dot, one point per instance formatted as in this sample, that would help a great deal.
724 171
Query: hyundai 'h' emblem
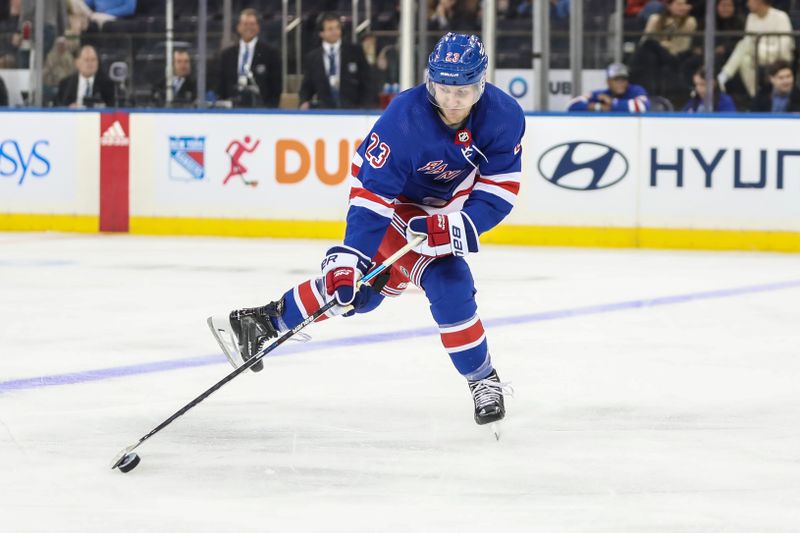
583 165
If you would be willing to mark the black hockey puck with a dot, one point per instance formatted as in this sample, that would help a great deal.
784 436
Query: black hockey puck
128 462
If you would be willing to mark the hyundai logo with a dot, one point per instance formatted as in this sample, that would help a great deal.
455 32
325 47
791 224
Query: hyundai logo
583 165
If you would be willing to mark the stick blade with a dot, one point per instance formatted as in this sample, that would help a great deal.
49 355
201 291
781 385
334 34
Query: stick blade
121 456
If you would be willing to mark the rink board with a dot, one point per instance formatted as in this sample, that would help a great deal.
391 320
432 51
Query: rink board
722 182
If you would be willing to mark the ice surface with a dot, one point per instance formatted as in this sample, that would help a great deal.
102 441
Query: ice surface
656 391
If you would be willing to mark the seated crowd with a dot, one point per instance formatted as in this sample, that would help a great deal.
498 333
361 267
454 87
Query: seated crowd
755 72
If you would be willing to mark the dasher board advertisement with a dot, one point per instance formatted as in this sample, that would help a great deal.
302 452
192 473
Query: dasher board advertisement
246 166
39 158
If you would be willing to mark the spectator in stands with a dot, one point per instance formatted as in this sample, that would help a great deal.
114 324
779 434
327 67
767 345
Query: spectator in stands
781 95
250 71
59 63
745 59
102 11
369 45
55 21
729 18
3 93
388 64
657 61
87 87
696 103
9 41
450 15
335 75
620 96
184 85
643 9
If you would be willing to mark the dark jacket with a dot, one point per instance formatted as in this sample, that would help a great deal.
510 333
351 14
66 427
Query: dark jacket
3 94
187 93
722 102
266 69
354 78
102 89
763 100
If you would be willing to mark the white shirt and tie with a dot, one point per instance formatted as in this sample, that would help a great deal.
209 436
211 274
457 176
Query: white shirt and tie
333 63
85 88
246 52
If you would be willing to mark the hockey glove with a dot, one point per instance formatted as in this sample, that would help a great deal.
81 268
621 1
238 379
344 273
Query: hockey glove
450 234
342 268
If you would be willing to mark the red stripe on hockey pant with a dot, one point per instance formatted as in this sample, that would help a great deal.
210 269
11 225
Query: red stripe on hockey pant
309 300
457 339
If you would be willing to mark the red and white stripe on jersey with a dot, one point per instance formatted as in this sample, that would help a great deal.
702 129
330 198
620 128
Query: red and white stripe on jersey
309 299
463 336
361 197
455 203
638 104
505 186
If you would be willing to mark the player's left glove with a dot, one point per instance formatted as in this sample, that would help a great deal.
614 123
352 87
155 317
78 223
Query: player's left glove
450 234
342 268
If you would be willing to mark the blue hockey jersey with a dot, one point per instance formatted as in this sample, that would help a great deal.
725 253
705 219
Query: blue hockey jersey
634 100
411 157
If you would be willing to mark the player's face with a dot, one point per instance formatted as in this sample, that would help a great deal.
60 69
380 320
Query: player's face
454 101
452 97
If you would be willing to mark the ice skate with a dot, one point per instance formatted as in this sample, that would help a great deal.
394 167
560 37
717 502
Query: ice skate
244 332
487 393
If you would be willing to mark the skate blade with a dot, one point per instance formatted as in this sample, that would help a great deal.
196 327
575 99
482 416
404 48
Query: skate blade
495 428
221 329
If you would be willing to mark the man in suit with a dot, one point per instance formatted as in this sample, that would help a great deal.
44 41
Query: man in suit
88 86
250 71
184 85
335 75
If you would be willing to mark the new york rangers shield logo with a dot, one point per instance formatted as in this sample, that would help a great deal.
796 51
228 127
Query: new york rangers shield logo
187 158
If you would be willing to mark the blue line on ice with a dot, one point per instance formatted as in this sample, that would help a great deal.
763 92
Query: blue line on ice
161 366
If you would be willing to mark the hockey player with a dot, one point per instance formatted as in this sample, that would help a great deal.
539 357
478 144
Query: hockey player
442 161
620 97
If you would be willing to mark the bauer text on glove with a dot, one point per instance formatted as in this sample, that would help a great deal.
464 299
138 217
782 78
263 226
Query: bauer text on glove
450 234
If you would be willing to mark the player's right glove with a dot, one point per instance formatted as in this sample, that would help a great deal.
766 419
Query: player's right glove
450 234
342 267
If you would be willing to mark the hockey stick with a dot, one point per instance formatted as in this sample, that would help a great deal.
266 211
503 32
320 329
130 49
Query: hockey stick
126 461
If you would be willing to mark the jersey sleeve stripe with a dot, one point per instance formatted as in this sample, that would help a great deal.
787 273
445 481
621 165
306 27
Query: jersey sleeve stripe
501 178
500 192
309 299
510 186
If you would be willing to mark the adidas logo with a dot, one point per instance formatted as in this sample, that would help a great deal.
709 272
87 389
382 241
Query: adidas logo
114 136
